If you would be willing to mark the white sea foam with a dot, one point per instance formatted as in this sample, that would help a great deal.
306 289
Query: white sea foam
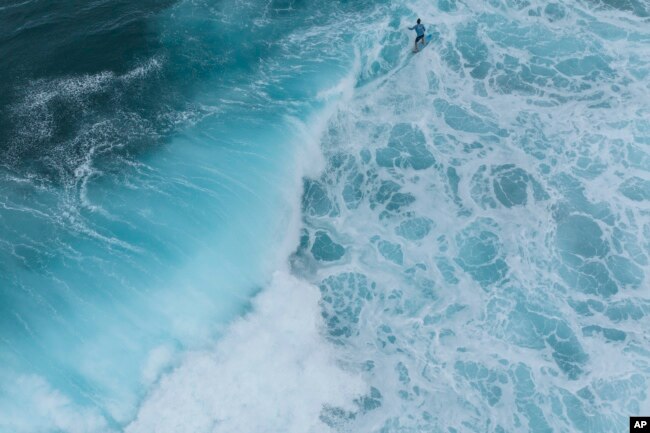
271 372
460 321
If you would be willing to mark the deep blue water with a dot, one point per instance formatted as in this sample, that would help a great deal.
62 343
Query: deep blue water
227 216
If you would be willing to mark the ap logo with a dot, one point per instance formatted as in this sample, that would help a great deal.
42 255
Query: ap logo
640 424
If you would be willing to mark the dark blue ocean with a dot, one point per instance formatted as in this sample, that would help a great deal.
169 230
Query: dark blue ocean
272 216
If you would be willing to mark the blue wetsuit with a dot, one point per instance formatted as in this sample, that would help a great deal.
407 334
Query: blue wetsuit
419 29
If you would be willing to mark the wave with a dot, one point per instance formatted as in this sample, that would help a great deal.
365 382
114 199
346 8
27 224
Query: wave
133 253
455 238
448 241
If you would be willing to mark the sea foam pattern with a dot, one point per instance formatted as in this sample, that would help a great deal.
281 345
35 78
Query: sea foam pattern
480 235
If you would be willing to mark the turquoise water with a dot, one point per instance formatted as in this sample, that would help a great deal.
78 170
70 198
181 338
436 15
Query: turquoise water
272 216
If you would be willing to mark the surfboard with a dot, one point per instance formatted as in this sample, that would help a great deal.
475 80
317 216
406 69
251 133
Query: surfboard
427 39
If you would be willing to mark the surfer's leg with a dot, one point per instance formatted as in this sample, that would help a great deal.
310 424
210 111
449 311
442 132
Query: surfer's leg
417 39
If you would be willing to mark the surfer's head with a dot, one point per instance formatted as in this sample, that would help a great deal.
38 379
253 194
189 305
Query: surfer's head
418 20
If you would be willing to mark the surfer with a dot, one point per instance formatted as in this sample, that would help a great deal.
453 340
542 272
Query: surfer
419 30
